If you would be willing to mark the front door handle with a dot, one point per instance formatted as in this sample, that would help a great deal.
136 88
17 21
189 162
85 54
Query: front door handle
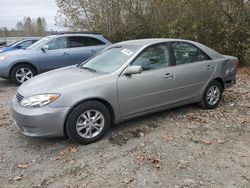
93 51
65 54
168 75
209 67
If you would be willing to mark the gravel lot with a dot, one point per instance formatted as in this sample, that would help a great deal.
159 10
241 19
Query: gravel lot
183 147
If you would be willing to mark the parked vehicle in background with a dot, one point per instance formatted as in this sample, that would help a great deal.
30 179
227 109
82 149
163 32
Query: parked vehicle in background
126 80
3 44
51 52
20 44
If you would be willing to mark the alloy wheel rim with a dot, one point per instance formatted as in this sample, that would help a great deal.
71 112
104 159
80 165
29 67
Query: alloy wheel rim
90 124
23 74
213 95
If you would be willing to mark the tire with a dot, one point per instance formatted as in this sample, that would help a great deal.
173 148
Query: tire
81 125
212 101
24 71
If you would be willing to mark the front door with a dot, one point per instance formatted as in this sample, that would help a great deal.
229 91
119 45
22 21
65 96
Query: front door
153 88
56 56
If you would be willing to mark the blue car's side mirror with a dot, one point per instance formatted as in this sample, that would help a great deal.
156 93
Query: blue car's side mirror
45 48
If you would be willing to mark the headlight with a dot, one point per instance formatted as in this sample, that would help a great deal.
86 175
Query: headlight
37 101
3 57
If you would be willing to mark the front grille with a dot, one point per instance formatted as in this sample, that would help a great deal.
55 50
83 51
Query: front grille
19 97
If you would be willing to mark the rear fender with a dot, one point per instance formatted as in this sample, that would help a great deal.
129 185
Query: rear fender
229 70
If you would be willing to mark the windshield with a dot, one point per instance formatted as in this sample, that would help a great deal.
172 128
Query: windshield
38 43
13 43
111 59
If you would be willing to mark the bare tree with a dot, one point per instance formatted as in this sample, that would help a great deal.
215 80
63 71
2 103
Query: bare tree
223 25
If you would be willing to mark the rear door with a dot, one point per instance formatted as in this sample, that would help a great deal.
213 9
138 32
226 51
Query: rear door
151 89
82 48
56 56
193 68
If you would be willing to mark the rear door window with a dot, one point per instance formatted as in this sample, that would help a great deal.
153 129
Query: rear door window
187 53
94 42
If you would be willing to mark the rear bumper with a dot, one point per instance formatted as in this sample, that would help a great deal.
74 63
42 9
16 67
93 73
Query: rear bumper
230 81
39 122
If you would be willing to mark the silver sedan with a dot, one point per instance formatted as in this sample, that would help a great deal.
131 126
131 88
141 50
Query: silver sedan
124 81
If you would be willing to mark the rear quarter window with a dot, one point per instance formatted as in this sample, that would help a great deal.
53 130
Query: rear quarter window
80 41
95 42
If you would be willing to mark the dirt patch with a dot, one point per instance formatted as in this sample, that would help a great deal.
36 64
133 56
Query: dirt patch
121 137
183 147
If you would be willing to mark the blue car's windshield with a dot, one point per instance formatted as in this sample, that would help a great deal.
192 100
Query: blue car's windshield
111 59
38 43
13 43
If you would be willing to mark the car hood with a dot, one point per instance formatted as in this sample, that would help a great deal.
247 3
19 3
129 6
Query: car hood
3 49
57 80
11 53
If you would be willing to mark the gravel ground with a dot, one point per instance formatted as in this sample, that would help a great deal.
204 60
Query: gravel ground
183 147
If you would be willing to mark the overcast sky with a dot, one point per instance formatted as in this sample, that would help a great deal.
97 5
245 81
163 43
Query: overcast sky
12 11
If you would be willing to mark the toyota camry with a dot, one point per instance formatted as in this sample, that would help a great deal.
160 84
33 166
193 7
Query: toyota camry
123 81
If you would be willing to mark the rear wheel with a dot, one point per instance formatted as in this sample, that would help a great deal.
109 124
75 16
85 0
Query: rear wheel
212 95
21 73
88 122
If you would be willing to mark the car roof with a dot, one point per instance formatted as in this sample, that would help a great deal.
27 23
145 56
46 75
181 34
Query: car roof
143 42
32 39
75 34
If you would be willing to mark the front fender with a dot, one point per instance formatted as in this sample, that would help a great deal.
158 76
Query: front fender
105 90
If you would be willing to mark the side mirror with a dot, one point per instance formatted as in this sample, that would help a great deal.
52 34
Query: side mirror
136 69
153 60
45 47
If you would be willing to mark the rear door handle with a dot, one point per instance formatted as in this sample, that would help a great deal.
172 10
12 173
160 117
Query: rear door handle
93 51
209 67
65 53
168 75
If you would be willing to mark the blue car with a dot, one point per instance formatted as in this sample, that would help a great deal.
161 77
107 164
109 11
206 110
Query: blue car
20 44
51 52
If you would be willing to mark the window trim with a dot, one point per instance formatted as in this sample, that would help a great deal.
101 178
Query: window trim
189 43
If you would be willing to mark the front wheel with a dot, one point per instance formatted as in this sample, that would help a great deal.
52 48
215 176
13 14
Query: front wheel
21 73
88 122
212 95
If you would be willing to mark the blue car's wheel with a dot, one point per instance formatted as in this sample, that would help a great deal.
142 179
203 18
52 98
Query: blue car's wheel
21 73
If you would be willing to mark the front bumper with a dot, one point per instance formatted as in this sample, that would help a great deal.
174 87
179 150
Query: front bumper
4 69
39 122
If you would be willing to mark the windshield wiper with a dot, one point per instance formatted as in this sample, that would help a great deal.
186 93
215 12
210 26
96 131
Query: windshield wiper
87 68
